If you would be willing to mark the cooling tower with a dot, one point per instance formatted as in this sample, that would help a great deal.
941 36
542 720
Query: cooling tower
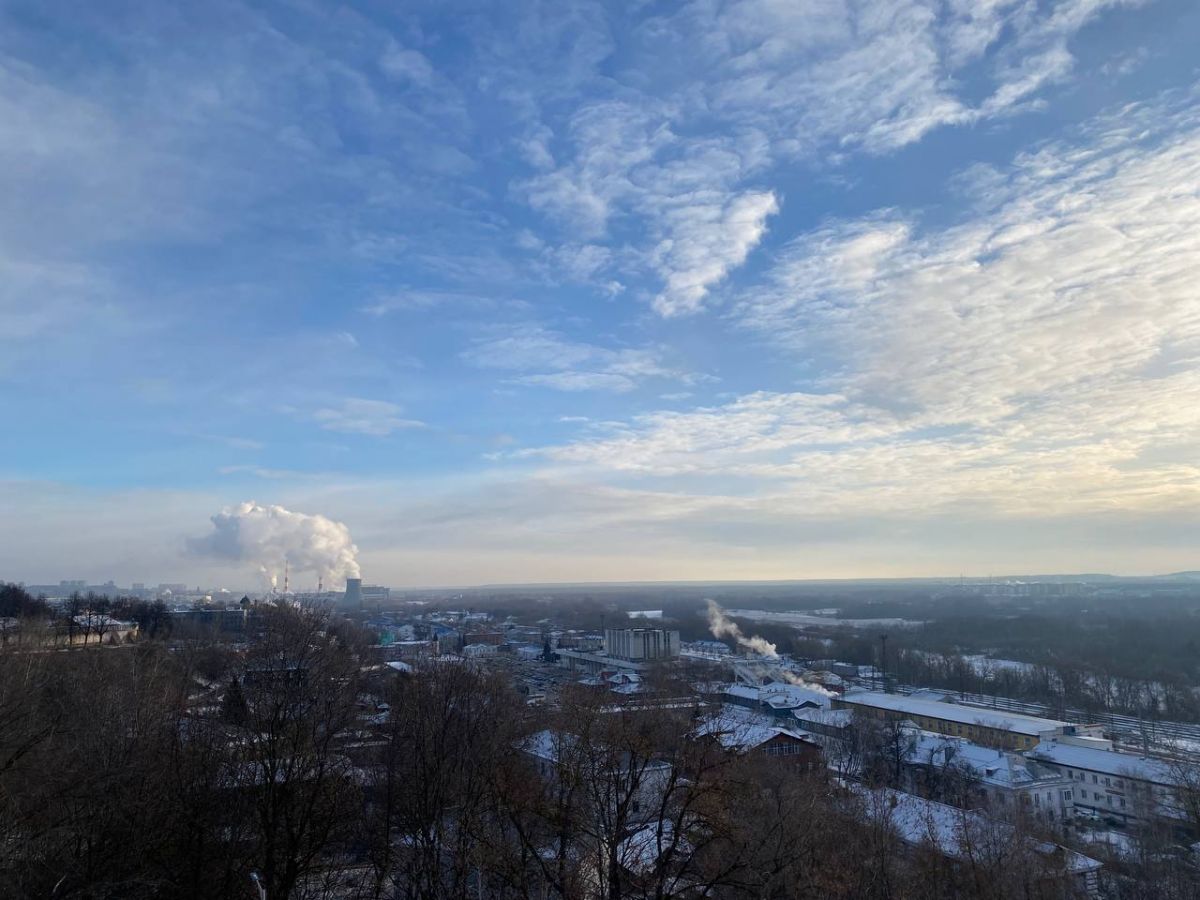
353 598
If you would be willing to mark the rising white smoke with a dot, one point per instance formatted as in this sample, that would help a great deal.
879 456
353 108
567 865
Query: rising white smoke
722 626
271 536
793 678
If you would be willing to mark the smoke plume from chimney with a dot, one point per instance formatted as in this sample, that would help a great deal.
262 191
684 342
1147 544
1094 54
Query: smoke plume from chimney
722 626
271 537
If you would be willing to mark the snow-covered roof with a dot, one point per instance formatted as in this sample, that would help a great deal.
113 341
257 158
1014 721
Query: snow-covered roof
953 712
1108 762
930 694
631 687
997 767
782 695
745 691
546 744
834 718
735 733
954 832
551 745
624 678
640 851
100 620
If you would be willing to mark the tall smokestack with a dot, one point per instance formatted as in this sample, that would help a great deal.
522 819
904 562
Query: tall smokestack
353 598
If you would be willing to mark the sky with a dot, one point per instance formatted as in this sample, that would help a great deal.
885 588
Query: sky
574 291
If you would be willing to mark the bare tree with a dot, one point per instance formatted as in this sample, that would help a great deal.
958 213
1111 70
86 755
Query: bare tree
448 730
301 683
887 744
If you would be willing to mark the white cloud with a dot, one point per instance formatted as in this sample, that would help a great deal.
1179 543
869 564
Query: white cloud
1078 273
267 473
235 442
355 415
547 359
424 300
712 95
407 64
612 140
707 242
878 75
579 381
1040 359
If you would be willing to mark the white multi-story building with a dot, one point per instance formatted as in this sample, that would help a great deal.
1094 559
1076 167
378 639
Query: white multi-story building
962 834
474 651
633 649
641 644
1006 783
1118 786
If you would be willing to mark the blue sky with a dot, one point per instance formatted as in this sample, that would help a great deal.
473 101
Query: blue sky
581 291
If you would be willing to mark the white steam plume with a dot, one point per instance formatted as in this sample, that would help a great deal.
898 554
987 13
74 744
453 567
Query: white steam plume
270 536
722 626
793 678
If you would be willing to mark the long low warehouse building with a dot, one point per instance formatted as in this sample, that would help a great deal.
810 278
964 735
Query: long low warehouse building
995 728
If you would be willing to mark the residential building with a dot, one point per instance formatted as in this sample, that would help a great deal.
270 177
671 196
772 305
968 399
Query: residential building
619 795
745 737
1117 786
970 837
475 651
1007 784
495 638
559 754
414 649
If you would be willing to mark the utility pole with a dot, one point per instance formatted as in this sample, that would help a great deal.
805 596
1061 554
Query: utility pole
883 660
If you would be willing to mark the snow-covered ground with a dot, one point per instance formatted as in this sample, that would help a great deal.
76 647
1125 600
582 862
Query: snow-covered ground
803 619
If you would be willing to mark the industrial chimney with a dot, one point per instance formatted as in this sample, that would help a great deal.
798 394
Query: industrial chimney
353 598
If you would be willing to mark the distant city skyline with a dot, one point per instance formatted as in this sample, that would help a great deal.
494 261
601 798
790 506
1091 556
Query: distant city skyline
989 583
583 292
